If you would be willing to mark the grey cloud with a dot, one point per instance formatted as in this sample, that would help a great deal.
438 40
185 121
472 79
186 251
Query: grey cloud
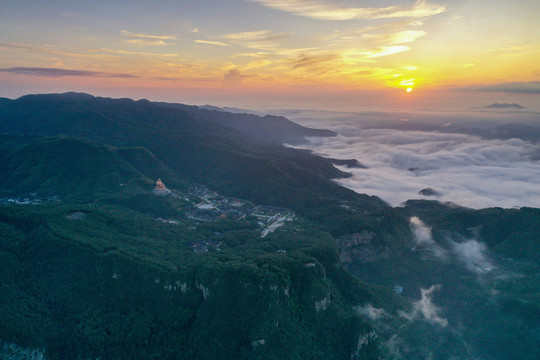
56 72
309 60
532 87
233 78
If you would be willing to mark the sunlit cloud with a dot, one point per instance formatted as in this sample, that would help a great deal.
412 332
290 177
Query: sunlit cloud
407 82
406 36
410 68
400 24
385 51
326 10
258 54
401 37
56 72
145 39
148 42
256 64
208 42
260 39
260 35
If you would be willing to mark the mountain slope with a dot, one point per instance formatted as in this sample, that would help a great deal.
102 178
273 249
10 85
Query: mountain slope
79 169
196 149
266 129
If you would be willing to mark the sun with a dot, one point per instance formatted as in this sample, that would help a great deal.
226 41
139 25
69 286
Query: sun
409 89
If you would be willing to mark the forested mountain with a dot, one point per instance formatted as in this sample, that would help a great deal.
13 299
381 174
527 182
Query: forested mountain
251 252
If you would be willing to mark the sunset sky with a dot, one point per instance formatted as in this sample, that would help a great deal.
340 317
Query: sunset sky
346 54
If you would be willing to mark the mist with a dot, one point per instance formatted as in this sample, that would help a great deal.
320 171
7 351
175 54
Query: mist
424 240
425 309
473 255
371 312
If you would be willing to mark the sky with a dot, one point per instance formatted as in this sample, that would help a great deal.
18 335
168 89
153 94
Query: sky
319 54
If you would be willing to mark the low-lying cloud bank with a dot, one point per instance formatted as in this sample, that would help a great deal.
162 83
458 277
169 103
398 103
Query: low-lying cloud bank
463 169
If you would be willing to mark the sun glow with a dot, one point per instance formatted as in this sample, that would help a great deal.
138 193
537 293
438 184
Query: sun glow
409 90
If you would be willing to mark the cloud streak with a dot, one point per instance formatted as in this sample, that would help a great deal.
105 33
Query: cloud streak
532 87
144 39
56 72
260 35
260 39
209 42
145 36
326 10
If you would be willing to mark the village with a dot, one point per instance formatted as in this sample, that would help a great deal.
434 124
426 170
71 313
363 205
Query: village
208 205
27 199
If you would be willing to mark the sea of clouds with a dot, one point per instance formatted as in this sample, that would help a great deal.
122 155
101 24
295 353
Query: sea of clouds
461 168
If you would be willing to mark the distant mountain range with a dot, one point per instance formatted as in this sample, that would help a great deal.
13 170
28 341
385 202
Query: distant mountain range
501 106
266 129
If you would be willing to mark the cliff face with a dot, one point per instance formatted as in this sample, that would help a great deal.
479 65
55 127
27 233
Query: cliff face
360 248
14 352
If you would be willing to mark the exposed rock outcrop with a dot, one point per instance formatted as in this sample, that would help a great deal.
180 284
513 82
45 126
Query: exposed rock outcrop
358 247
